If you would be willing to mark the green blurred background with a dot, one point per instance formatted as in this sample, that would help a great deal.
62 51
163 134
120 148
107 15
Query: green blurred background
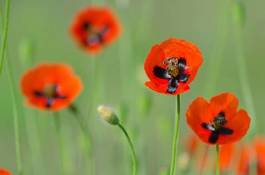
116 77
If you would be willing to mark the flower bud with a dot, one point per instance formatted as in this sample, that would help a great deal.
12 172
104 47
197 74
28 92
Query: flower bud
107 114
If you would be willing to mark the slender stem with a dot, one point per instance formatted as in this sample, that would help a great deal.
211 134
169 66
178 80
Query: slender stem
57 123
5 35
217 160
85 131
134 158
16 122
175 138
80 120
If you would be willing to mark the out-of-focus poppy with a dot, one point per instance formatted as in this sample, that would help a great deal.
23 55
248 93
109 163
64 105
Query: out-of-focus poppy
50 86
218 121
260 156
192 144
252 159
94 27
245 157
172 65
4 172
226 156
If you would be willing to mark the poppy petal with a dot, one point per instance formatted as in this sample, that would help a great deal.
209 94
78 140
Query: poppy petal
225 102
239 124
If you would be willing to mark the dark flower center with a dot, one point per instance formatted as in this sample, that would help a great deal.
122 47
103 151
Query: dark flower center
95 35
217 127
49 93
175 72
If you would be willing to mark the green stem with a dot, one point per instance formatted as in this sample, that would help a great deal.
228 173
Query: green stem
16 122
5 35
57 123
85 131
80 120
217 172
175 138
134 158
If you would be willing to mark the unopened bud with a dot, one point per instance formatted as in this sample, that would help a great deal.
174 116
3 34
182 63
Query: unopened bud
107 114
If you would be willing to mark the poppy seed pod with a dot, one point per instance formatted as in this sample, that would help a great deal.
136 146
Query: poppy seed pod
107 114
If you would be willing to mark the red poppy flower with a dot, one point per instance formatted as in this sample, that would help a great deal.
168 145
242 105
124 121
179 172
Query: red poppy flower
218 121
252 158
95 27
246 156
172 65
4 172
50 86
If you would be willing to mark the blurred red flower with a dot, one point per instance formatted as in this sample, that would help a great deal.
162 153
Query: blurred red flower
94 27
4 172
252 158
192 144
172 65
226 156
218 121
50 86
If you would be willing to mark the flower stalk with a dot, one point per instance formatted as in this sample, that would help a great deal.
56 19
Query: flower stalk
4 35
133 153
107 114
58 127
175 138
217 172
16 120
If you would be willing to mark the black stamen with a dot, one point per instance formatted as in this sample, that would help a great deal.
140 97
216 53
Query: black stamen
38 94
97 37
204 125
214 137
172 85
174 73
183 78
217 128
182 64
86 25
50 96
161 72
209 127
57 96
49 102
226 131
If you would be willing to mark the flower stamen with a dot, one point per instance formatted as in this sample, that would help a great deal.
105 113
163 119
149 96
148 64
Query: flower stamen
95 35
175 72
50 93
217 127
